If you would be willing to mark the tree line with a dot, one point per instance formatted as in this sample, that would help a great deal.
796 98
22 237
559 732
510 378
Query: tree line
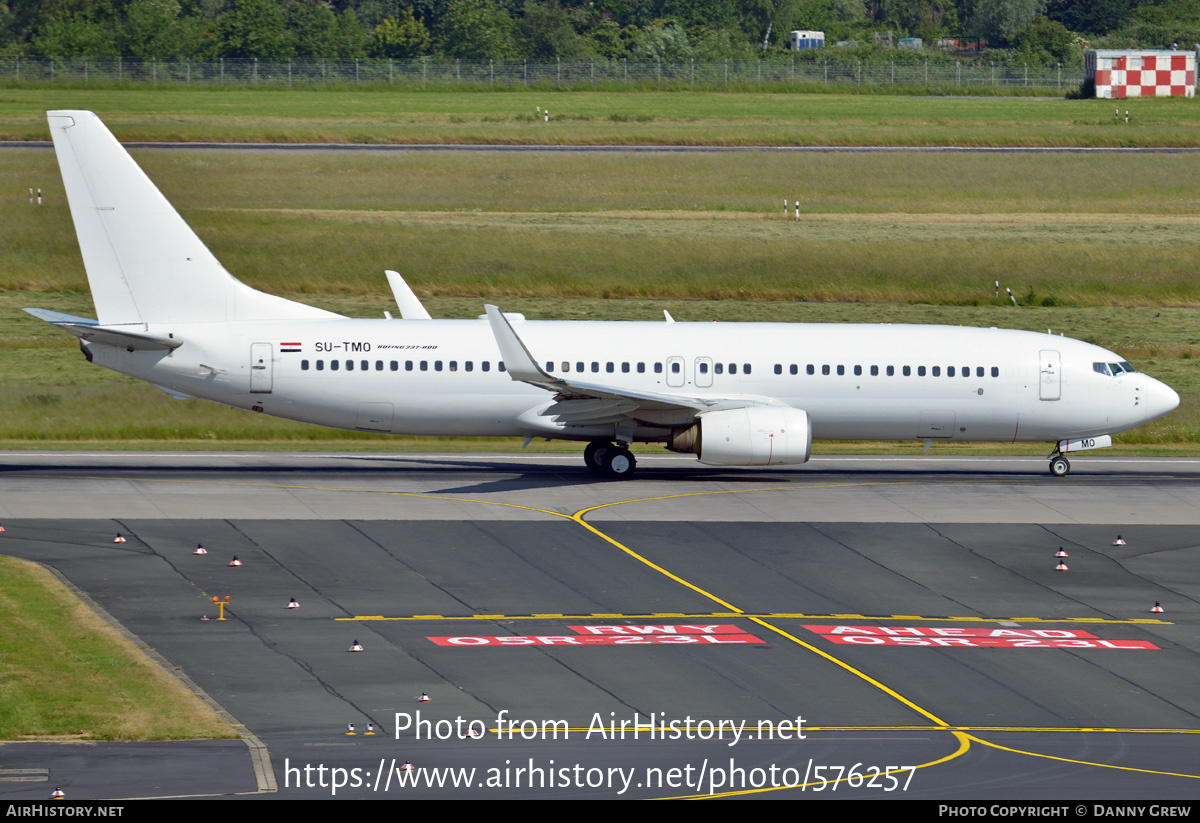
646 30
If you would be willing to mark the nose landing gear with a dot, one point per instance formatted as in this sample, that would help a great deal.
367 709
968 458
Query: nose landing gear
1059 465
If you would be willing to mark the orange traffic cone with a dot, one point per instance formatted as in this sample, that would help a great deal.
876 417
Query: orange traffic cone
293 604
1158 609
235 561
200 549
1062 567
118 538
407 767
370 728
1061 552
356 647
424 698
349 729
1118 541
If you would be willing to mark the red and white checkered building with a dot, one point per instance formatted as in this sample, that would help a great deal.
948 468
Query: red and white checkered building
1157 73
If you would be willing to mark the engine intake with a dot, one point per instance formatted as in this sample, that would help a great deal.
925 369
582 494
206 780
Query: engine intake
754 436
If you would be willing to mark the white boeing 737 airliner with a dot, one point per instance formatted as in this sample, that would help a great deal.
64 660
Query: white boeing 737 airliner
735 394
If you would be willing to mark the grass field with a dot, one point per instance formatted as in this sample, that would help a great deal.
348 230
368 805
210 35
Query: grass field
613 118
1103 247
88 682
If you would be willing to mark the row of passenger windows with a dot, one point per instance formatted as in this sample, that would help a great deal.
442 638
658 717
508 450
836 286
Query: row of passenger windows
890 371
675 367
394 365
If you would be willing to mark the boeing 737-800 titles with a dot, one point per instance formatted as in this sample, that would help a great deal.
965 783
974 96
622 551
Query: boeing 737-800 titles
735 394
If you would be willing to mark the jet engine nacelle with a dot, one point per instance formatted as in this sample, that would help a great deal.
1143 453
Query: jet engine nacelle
754 436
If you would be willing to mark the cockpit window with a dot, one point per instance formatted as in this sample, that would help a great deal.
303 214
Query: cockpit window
1115 368
1128 367
1100 368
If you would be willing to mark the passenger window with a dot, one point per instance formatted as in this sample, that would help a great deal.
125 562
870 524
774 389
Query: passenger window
486 365
333 365
733 368
453 365
793 369
966 371
937 371
920 371
995 371
719 368
395 364
624 368
303 365
704 368
825 369
579 367
424 365
500 366
469 365
779 368
908 371
320 365
857 371
364 365
378 365
979 371
595 366
674 368
745 368
891 371
809 369
437 365
349 365
949 371
658 368
566 366
549 366
609 368
841 371
641 368
874 371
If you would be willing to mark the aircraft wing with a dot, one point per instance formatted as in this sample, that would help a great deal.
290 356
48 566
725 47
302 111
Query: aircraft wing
91 330
607 403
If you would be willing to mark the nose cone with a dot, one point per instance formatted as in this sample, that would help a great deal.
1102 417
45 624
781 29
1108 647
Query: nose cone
1159 399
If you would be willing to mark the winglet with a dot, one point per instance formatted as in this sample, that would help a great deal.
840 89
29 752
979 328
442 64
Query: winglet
406 300
517 359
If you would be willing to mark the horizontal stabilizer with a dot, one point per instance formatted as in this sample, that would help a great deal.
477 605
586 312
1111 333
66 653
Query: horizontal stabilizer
93 332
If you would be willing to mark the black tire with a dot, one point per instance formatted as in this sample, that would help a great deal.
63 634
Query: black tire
619 463
1060 466
594 455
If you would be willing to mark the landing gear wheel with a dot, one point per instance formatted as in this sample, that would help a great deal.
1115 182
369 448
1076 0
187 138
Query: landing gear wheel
594 455
619 463
1059 467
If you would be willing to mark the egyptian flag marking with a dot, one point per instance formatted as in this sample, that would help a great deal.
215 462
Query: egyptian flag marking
286 347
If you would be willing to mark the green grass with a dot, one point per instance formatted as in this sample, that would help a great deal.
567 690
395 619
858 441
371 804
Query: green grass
64 673
1085 230
606 117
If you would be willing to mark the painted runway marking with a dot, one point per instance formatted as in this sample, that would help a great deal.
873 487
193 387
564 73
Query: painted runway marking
714 634
417 618
935 636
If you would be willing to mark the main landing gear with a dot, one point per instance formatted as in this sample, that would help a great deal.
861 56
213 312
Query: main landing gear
603 457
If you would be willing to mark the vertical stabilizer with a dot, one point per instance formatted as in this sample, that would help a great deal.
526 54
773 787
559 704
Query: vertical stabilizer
144 263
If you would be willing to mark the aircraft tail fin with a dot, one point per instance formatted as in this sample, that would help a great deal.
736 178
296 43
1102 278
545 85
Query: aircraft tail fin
144 263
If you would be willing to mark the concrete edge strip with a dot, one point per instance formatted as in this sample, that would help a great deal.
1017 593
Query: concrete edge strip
260 756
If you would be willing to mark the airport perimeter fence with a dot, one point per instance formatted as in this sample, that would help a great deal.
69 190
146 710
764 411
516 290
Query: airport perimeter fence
966 76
